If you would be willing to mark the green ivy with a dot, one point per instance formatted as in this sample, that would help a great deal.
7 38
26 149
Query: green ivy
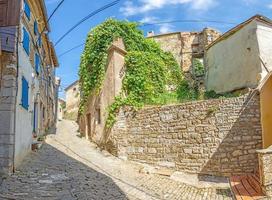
149 70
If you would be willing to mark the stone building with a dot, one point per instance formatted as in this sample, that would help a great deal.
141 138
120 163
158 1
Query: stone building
187 47
27 79
72 99
92 122
61 108
240 58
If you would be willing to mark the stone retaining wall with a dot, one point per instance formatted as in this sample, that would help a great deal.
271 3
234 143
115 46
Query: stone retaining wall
265 160
216 137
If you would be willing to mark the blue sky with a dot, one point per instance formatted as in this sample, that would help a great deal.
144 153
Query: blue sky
148 11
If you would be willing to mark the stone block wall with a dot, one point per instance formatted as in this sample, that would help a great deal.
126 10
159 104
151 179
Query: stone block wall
265 166
216 137
7 110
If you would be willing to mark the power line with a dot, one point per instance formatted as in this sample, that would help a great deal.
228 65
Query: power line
86 18
68 51
186 21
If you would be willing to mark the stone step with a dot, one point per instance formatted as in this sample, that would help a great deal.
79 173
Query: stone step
246 187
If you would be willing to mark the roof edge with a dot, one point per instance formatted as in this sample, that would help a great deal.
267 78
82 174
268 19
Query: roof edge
238 27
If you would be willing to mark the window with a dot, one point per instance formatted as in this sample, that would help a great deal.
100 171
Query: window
27 10
37 63
24 100
36 28
26 41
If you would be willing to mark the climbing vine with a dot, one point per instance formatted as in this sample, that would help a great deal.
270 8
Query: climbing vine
150 72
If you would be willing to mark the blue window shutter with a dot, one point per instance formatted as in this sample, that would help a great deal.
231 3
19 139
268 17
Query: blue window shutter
40 41
27 10
37 63
24 100
36 28
26 41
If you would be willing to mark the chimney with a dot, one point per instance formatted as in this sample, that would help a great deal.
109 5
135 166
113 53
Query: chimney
150 33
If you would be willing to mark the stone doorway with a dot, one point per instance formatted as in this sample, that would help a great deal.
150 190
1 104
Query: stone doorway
88 126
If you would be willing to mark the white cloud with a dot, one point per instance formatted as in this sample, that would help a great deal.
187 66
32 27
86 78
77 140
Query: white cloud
166 28
147 20
270 6
147 5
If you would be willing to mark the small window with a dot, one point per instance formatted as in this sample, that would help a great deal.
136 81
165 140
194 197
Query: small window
27 10
43 112
26 41
24 100
37 63
36 28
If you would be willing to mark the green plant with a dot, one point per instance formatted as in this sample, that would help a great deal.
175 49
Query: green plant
186 92
198 67
149 70
214 95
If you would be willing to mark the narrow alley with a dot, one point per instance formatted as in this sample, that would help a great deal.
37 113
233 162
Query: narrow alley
69 167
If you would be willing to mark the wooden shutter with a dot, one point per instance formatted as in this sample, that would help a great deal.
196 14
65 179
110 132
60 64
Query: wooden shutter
26 41
25 87
27 10
3 11
9 12
36 28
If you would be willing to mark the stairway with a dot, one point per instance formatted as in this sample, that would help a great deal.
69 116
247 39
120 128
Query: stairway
246 187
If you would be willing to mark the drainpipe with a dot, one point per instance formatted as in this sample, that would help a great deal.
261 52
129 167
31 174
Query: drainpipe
16 97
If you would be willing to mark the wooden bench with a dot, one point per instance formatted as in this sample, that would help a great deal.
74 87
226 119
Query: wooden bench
246 187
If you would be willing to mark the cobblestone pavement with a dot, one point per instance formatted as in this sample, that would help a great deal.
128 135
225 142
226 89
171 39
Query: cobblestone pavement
68 167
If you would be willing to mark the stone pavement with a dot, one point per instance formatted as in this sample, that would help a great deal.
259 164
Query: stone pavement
68 167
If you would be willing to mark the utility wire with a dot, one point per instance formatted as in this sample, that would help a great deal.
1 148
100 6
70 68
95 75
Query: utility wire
68 51
185 21
158 23
86 18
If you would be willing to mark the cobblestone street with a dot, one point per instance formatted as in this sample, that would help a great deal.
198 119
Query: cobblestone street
68 167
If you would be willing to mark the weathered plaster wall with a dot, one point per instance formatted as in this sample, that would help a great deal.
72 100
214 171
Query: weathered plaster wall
234 62
266 111
264 37
217 137
24 118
